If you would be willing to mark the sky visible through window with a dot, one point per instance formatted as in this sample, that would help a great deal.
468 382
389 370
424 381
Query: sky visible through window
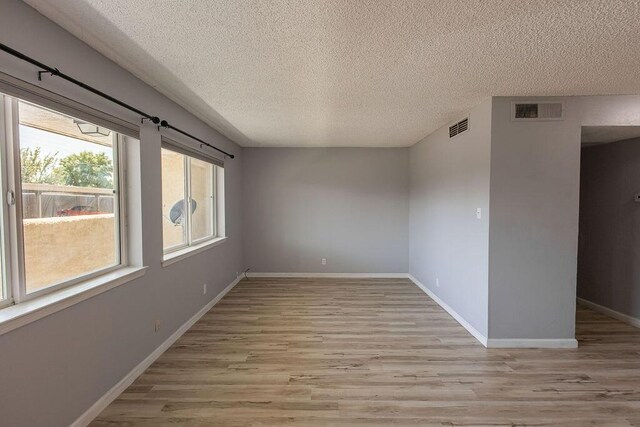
52 143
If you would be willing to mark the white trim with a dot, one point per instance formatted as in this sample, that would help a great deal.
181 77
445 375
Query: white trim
69 283
532 343
473 331
630 320
181 254
29 311
95 409
6 278
251 275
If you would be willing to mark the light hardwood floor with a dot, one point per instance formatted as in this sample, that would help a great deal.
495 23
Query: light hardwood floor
374 352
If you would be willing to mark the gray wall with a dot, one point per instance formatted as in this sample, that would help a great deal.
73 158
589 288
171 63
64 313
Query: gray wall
515 276
348 205
52 370
534 228
449 181
535 185
609 239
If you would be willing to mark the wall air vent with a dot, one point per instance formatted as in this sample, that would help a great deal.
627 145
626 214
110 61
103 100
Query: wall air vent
458 128
537 111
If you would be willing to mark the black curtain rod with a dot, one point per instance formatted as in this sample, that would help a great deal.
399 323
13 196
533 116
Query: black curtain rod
55 72
165 124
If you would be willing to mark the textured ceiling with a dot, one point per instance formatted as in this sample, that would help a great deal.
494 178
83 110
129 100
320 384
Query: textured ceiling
596 135
357 73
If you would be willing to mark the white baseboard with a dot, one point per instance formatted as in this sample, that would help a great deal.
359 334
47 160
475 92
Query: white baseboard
251 275
633 321
493 342
473 331
95 409
532 343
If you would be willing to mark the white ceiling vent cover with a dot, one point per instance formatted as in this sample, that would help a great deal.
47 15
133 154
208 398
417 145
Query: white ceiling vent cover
458 128
536 111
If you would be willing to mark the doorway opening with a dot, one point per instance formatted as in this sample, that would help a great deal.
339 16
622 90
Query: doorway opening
608 277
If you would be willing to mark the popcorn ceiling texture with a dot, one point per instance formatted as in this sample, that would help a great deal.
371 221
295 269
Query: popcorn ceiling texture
357 73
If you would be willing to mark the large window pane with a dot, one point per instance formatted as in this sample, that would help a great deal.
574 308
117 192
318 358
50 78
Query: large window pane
202 184
174 222
69 202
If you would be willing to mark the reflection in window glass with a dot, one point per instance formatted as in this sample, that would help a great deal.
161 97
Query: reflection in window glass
69 204
202 185
174 221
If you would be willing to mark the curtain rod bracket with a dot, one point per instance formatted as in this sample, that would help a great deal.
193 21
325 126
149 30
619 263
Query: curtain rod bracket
53 72
154 119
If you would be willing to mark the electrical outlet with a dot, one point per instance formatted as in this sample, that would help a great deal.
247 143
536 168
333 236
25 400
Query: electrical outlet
157 325
437 282
204 289
324 261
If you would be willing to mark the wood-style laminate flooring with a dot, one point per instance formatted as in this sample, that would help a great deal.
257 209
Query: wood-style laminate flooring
365 352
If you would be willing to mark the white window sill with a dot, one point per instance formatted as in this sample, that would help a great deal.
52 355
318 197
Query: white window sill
18 315
176 256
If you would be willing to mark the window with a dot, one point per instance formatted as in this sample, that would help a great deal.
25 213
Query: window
191 199
62 200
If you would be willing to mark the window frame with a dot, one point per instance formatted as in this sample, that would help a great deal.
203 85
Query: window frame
12 223
191 244
214 204
5 234
187 219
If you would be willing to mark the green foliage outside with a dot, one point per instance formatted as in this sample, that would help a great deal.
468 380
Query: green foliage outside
36 167
86 169
83 169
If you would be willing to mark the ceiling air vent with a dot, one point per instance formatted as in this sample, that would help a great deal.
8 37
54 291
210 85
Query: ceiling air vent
537 111
458 128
